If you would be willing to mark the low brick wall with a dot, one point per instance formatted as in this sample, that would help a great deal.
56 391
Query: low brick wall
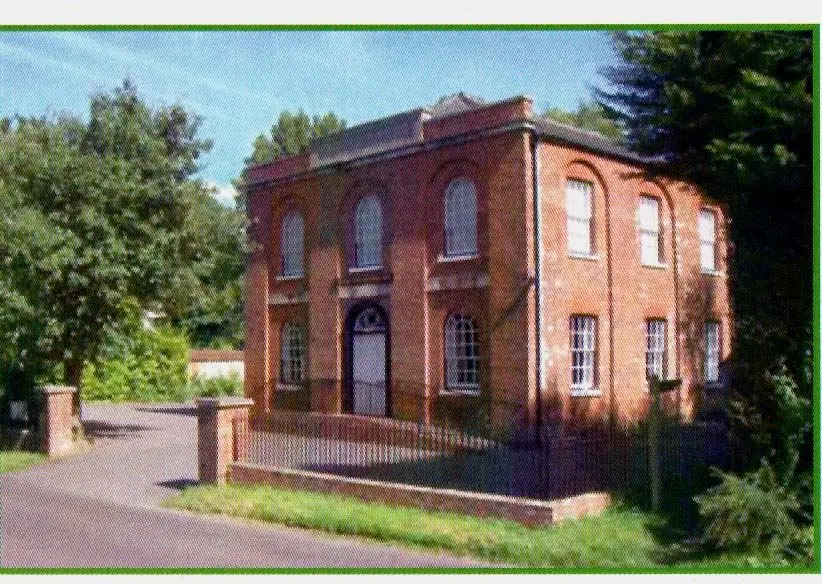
526 511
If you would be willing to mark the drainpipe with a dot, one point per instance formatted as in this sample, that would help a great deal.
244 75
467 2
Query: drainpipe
537 280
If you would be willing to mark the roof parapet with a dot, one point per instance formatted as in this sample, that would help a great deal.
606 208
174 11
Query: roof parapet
453 116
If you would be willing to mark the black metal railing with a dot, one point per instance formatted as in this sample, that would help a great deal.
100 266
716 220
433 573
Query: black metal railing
557 464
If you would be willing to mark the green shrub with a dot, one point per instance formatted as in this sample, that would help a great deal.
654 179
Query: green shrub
215 386
151 367
752 512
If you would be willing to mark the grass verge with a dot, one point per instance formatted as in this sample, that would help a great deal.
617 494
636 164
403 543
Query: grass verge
14 460
619 538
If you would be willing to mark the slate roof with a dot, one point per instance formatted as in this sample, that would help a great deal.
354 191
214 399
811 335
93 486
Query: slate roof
406 129
455 104
589 140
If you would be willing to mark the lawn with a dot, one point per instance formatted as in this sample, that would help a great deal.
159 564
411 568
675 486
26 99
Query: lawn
619 538
14 460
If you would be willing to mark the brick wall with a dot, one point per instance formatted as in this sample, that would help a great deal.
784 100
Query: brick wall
620 291
418 291
526 511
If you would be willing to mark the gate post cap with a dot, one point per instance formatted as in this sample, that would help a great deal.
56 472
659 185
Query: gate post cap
52 389
223 402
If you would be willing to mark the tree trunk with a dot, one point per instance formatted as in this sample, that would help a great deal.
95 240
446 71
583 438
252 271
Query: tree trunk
73 371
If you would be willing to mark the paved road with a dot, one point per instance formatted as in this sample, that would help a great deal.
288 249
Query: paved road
101 509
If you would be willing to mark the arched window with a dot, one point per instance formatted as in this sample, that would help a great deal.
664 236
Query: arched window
461 353
460 218
292 353
291 245
368 233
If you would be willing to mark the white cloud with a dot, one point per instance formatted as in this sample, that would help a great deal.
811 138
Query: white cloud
112 51
224 193
35 58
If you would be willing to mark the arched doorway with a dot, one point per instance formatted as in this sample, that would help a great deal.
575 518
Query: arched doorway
368 360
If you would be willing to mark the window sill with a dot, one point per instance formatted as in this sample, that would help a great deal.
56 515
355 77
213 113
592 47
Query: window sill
591 257
648 384
586 393
713 273
467 391
655 266
284 278
288 386
364 269
444 259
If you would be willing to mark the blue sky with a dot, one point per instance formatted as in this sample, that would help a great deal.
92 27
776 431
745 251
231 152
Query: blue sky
240 81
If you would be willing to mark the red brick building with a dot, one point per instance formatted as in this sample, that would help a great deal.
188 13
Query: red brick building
476 259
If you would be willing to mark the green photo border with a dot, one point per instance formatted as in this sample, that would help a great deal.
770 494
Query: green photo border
717 569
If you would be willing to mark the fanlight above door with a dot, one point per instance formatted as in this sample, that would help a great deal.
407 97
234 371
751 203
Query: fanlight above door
369 320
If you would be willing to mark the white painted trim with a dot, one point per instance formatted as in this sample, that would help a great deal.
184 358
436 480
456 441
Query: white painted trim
285 299
591 257
285 278
467 390
457 282
362 269
444 259
595 392
363 290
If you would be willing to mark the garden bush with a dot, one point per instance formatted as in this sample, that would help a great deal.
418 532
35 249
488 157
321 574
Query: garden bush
754 512
151 367
231 386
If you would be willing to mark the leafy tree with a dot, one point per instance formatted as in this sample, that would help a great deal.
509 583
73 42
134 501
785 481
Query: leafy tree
588 116
731 111
90 216
205 296
292 134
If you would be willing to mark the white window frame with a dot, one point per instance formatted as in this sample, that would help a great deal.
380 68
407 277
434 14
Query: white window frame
368 234
292 245
460 219
461 354
292 354
656 348
650 231
579 212
583 351
713 352
707 240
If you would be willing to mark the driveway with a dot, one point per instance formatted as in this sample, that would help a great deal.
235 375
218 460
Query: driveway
101 508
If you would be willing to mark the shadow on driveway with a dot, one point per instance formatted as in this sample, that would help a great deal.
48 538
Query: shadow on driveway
177 484
99 429
173 410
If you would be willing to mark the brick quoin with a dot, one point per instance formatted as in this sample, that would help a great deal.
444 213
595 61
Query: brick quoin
407 161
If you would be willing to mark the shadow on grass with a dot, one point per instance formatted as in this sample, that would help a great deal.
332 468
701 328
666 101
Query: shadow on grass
676 525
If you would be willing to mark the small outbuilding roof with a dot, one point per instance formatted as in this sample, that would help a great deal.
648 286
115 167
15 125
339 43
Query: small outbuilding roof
215 355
